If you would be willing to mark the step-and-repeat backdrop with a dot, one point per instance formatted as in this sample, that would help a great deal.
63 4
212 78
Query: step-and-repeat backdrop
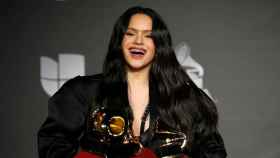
231 49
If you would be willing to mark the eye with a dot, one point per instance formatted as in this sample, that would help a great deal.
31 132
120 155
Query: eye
129 34
148 36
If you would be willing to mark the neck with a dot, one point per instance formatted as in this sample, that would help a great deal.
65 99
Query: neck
138 78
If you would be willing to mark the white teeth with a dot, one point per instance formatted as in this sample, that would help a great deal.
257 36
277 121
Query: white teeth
137 50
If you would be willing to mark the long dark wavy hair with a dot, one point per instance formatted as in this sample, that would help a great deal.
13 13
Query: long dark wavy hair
182 105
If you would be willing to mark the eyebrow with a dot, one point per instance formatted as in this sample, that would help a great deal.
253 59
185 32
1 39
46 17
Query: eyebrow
136 30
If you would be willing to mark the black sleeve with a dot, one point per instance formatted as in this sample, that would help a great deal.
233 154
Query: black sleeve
59 135
211 146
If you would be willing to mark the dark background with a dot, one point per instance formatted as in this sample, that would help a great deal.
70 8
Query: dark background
237 42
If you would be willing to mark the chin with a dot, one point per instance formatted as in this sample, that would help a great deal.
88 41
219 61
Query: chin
137 66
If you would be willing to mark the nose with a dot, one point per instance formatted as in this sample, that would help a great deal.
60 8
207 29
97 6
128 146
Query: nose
139 39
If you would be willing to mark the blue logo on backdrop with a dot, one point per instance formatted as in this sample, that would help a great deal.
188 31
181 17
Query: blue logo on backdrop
55 73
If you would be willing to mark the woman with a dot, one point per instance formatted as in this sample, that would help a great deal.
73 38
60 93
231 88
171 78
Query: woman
143 104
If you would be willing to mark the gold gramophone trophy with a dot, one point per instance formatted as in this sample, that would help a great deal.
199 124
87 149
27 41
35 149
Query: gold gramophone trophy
115 127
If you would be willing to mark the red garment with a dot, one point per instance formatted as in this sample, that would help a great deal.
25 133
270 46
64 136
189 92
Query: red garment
84 154
144 153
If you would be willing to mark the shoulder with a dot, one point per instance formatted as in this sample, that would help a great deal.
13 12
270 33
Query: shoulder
79 82
81 87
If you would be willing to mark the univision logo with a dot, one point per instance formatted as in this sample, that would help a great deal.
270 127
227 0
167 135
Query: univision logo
55 73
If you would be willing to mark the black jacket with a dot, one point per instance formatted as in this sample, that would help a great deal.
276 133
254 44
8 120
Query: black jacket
64 131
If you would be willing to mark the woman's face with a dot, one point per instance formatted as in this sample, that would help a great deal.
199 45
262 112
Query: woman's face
137 44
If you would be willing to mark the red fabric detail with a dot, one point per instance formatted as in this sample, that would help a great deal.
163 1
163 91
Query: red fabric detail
84 154
145 153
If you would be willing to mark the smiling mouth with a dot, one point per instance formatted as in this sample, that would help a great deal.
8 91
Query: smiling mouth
137 51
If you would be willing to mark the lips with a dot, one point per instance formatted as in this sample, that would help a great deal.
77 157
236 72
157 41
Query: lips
137 51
